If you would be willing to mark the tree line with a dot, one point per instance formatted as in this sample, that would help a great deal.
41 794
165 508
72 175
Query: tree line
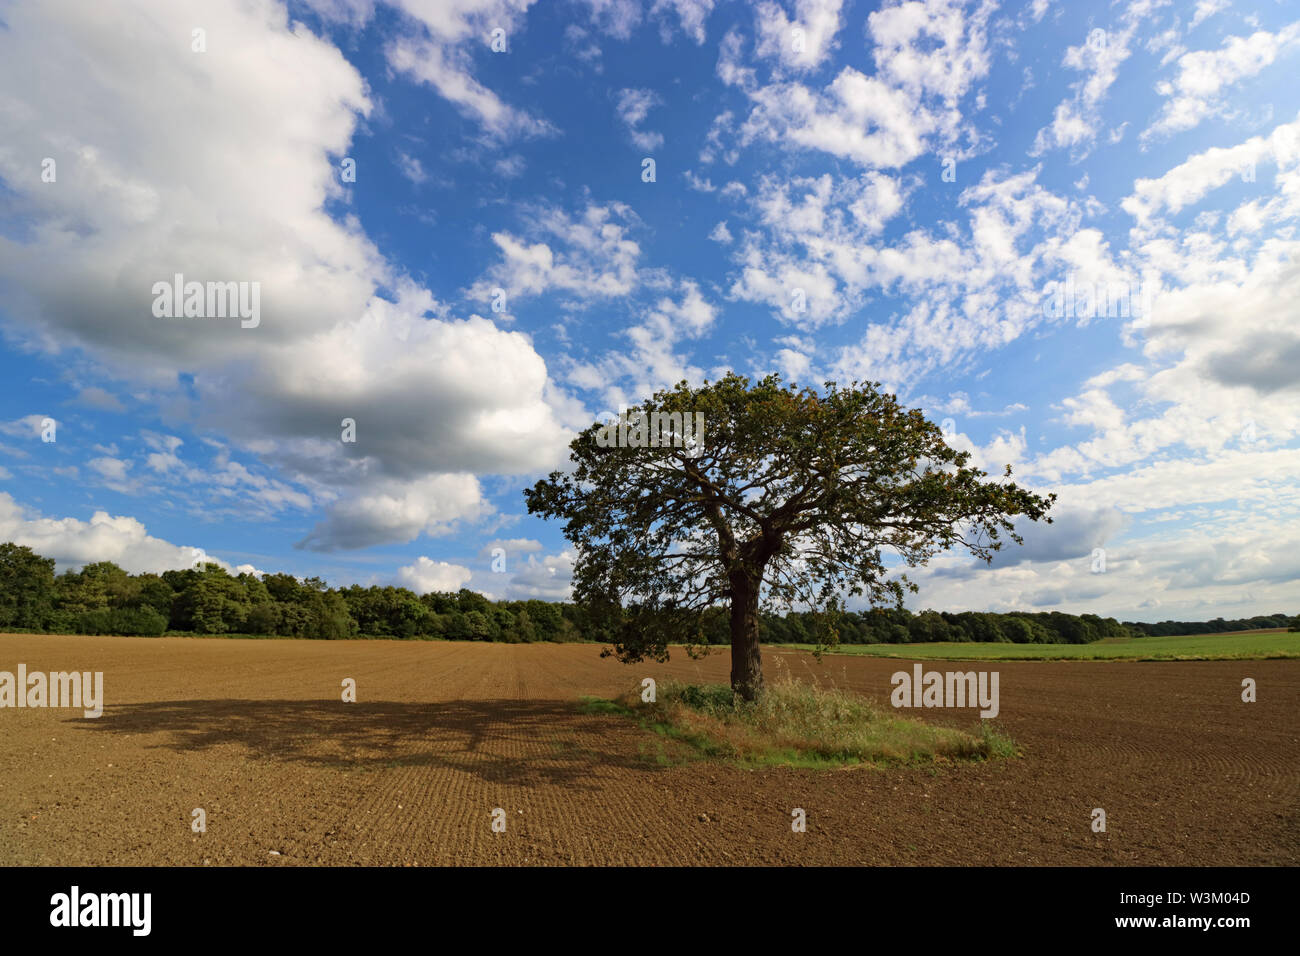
1216 626
102 598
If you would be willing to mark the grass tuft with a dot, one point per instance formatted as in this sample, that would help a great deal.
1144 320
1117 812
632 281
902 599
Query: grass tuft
797 724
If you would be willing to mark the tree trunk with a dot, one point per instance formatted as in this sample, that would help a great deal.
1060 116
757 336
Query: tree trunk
746 657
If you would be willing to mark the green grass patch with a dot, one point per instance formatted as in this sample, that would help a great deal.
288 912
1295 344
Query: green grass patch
1252 645
795 724
599 705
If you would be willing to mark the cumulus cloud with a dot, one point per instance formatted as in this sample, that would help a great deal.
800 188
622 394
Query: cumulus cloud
1074 533
96 397
427 575
511 546
133 205
588 255
399 512
953 293
72 542
546 578
1221 340
1229 570
858 117
113 469
800 43
425 395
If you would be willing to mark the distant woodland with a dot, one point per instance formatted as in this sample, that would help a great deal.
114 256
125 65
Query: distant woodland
102 598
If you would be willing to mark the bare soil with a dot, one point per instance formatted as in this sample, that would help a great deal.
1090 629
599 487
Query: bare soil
256 734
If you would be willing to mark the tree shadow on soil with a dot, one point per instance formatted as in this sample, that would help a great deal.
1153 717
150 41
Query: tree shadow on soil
499 741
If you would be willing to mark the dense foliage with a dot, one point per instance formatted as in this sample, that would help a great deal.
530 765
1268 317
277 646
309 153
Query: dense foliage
101 598
790 497
1216 626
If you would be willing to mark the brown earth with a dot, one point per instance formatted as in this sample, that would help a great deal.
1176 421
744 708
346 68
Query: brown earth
256 734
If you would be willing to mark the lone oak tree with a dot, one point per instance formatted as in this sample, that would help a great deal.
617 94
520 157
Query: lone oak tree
789 496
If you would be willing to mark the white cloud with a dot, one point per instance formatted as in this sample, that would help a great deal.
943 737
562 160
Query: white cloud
653 362
548 578
859 117
427 396
633 106
794 365
400 512
700 185
1198 430
932 47
447 70
618 18
1194 94
411 168
510 167
133 206
691 15
957 294
1191 180
133 200
441 54
29 426
800 43
113 469
72 542
511 546
592 256
1234 568
96 397
219 485
426 575
928 55
1206 9
1077 120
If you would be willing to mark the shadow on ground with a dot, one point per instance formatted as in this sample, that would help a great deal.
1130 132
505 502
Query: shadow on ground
499 741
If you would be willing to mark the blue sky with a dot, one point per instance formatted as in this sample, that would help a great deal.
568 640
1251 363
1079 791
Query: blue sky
919 177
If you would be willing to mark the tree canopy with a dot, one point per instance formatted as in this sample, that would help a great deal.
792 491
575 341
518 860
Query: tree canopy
788 497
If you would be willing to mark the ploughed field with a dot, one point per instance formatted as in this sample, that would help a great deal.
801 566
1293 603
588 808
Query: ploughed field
256 734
